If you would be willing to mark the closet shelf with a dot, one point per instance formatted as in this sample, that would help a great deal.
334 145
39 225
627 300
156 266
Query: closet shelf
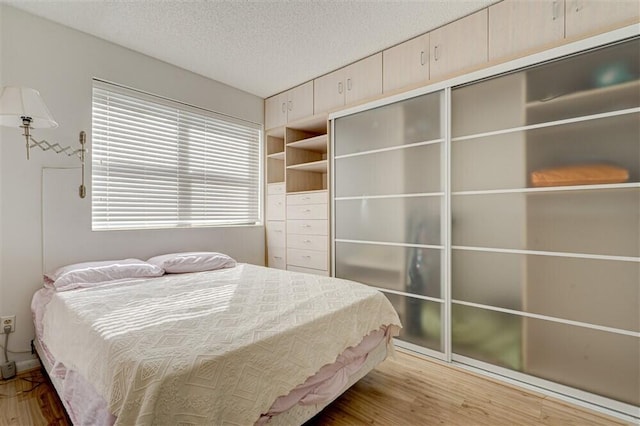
314 166
317 144
277 155
551 189
625 93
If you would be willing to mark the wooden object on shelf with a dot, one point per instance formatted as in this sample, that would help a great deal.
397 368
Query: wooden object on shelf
459 45
516 26
585 174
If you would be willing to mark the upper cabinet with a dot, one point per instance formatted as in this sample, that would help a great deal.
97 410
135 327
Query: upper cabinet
406 63
459 45
519 25
588 16
289 106
347 85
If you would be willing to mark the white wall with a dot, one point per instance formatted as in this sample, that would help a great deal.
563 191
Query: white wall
60 63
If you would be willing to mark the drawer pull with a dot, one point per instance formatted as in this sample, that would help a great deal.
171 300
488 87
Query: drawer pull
307 210
279 231
307 241
306 256
277 257
306 226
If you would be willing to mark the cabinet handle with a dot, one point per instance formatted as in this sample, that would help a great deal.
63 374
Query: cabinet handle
277 257
554 9
422 58
306 226
340 87
579 5
306 256
278 231
435 52
349 84
307 241
290 106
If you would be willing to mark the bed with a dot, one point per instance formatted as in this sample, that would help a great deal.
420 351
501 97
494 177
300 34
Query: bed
237 345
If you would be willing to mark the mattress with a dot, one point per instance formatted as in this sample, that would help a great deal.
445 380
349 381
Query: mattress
212 347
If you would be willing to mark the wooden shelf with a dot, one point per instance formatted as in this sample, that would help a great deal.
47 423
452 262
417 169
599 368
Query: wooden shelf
314 166
586 102
316 143
277 155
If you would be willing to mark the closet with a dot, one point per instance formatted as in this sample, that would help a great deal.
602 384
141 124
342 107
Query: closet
500 214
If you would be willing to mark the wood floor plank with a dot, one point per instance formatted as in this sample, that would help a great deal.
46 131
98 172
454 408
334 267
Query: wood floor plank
405 391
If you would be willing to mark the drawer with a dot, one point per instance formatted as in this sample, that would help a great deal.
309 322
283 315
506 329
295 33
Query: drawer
310 198
307 270
307 211
276 233
307 258
276 257
275 207
308 227
307 242
275 189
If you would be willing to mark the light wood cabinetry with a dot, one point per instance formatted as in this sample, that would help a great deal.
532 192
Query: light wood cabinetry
307 232
406 63
347 85
519 25
459 45
588 16
289 106
296 207
276 225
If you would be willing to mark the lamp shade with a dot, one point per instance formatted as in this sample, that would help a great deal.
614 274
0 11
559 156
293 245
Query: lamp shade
18 102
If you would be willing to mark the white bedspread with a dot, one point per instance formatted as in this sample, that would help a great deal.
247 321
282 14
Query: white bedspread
208 348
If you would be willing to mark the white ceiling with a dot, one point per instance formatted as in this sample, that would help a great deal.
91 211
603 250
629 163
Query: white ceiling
262 47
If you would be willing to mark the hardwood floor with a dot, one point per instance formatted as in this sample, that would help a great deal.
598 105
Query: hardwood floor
404 391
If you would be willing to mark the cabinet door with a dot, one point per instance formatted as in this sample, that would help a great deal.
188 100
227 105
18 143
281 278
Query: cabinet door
300 102
586 16
406 63
459 45
328 91
518 25
275 111
363 79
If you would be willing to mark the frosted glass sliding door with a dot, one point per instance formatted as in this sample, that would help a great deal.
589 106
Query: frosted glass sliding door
545 222
388 207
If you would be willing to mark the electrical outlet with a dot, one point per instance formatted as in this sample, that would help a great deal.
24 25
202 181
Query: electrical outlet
8 321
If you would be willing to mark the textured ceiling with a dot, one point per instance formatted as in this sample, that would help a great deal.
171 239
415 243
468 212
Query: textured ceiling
262 47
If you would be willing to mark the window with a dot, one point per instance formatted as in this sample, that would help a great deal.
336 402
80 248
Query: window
162 164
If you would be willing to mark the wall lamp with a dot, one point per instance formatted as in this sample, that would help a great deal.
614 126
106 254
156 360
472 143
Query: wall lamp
24 108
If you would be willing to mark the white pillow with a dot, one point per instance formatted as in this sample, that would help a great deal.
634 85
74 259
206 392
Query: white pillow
89 274
198 261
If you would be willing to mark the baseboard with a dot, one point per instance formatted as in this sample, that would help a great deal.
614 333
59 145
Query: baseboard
27 364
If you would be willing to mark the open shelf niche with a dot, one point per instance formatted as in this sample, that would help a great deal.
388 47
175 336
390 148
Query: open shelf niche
307 147
275 159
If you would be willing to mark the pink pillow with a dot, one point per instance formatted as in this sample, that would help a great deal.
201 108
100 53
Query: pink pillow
198 261
89 274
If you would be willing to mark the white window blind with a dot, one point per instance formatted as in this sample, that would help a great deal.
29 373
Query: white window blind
161 164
